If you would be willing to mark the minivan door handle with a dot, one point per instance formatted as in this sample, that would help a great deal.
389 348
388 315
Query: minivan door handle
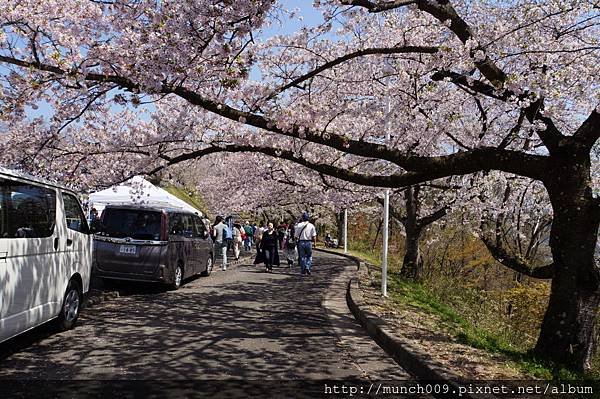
69 242
56 243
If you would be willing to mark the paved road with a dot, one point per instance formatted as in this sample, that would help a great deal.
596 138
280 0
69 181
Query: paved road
242 323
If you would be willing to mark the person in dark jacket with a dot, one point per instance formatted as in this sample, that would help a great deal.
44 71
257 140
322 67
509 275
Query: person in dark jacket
269 244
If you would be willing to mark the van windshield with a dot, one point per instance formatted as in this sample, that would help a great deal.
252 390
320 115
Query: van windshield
132 223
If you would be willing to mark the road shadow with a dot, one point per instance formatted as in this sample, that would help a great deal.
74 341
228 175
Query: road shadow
262 326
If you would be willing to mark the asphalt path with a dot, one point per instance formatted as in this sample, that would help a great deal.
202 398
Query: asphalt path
242 323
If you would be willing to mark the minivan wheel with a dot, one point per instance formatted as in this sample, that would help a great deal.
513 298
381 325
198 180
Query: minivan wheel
69 312
209 267
177 277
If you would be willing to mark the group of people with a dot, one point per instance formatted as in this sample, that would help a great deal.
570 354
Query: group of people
294 239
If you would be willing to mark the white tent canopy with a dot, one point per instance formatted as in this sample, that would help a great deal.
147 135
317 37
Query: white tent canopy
137 191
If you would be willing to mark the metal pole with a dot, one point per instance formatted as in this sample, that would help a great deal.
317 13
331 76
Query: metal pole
345 230
386 212
386 204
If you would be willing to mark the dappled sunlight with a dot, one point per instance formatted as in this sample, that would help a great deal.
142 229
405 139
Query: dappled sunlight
39 255
243 323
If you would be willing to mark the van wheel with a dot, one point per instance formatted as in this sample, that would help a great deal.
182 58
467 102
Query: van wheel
177 277
209 267
69 312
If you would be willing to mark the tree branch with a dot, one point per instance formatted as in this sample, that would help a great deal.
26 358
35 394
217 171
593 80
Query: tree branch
420 168
347 57
517 263
376 6
443 11
588 133
394 213
550 136
427 220
476 85
513 132
340 173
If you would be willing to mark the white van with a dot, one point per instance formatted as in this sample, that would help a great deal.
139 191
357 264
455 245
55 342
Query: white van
45 254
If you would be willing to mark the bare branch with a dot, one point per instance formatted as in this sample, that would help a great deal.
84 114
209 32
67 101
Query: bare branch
517 263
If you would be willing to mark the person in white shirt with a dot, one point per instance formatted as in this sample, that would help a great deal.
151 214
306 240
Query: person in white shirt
237 240
220 244
306 235
291 253
258 234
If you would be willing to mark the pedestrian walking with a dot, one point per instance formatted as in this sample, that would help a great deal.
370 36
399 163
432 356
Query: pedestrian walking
281 234
254 229
220 233
94 219
93 215
237 240
249 235
269 244
258 234
290 251
305 234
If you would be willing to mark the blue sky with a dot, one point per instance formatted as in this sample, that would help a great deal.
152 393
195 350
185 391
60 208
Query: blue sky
310 17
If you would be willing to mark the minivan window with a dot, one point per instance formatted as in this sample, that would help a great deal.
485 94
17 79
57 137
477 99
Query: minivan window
74 215
199 227
133 223
26 211
181 224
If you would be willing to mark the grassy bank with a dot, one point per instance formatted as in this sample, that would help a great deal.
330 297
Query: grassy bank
448 308
416 295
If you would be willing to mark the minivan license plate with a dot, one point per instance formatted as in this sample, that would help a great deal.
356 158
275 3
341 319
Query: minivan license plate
127 249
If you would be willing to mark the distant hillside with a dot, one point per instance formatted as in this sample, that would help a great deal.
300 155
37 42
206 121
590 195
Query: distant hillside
189 196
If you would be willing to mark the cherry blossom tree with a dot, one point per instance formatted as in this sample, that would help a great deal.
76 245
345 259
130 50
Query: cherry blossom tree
383 93
421 206
233 183
515 224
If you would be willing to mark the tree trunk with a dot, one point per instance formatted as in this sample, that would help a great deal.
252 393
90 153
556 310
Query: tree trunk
568 334
412 266
340 227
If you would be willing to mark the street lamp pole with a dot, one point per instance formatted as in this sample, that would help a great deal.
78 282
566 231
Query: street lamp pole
384 262
386 208
345 230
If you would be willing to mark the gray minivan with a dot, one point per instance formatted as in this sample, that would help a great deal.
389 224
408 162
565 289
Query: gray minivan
145 243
